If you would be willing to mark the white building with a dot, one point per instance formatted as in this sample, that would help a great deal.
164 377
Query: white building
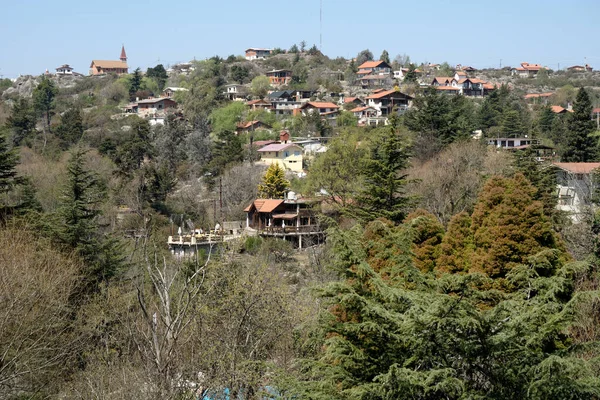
64 69
576 186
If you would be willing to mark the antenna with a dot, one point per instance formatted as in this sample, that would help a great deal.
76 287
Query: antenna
321 26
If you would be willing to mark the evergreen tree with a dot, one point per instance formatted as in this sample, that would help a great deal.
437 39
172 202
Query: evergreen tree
427 235
542 176
227 149
511 124
385 56
21 120
8 163
492 108
456 250
159 74
384 183
43 99
411 74
545 120
135 82
134 147
70 129
294 49
273 185
580 145
363 56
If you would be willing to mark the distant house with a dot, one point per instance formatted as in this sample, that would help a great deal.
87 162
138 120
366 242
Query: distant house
385 101
170 91
64 69
559 110
235 92
287 155
251 126
363 113
283 102
458 75
100 67
453 90
527 70
154 105
580 68
255 53
509 143
259 104
374 68
538 98
375 80
473 87
576 186
354 100
321 107
279 76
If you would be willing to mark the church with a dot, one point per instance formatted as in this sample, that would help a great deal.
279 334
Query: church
100 67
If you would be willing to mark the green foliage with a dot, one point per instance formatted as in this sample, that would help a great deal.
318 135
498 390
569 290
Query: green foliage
364 55
456 250
135 82
411 74
70 129
346 118
427 235
273 185
44 96
545 120
390 331
133 147
21 120
159 74
511 124
8 173
239 73
385 56
227 118
492 108
226 150
383 193
5 83
542 176
293 49
260 86
580 145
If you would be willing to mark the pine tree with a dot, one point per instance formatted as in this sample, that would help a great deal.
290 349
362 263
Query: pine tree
8 162
512 126
70 129
580 145
384 183
411 74
542 176
274 185
385 56
427 234
21 120
135 81
43 99
545 120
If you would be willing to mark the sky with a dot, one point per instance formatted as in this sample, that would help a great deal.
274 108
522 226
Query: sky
42 34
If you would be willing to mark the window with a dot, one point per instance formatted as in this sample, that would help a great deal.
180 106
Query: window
276 154
286 154
296 153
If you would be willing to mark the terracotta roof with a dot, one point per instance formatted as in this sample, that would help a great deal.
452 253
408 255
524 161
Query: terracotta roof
262 143
371 64
320 104
350 99
108 64
596 111
529 67
386 93
461 73
248 124
559 109
264 205
277 147
447 88
360 109
155 100
259 101
285 216
488 85
578 168
442 79
536 95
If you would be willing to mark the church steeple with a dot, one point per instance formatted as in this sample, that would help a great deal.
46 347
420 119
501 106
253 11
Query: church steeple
123 55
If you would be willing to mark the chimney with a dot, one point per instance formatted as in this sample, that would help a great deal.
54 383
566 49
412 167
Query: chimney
284 136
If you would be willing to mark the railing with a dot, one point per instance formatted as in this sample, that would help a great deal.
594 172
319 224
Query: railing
290 229
194 239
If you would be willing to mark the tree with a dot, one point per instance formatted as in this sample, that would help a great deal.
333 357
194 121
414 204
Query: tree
364 55
273 185
293 49
135 82
159 74
313 51
43 100
383 194
411 74
580 145
239 73
456 250
385 56
427 233
226 150
227 118
511 124
303 46
542 175
21 120
70 129
134 147
260 86
8 163
346 118
545 120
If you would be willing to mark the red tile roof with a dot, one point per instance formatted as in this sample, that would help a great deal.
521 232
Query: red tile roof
536 95
385 93
578 168
350 99
360 109
371 64
596 111
447 88
558 109
320 104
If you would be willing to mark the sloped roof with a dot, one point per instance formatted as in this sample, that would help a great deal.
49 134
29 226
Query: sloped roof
259 101
123 54
447 88
108 64
319 104
578 168
536 95
155 100
264 205
360 109
248 124
387 93
372 64
277 147
559 109
442 79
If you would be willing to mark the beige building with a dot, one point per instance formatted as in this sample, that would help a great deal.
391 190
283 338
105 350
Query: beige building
287 155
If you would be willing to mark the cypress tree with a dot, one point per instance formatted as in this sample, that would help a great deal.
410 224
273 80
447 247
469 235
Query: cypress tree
274 185
580 145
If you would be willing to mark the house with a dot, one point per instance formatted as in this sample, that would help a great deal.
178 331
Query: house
385 101
576 186
287 155
442 81
259 104
580 68
469 69
559 110
279 76
235 92
100 67
288 218
154 105
170 91
283 102
473 87
527 70
322 107
375 80
363 113
509 143
374 68
255 53
251 126
538 98
458 75
353 100
454 90
64 69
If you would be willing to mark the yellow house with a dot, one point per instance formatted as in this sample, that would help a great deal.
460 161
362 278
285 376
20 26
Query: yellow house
287 155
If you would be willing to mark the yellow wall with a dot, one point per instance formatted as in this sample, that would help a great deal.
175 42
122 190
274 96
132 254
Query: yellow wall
291 162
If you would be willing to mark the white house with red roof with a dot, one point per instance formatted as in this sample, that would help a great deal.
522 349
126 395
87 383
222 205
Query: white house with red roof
374 68
386 100
322 107
576 186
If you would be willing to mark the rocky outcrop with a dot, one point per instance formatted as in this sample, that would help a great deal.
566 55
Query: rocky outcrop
24 85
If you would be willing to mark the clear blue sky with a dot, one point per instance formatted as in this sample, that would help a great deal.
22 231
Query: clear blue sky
40 34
